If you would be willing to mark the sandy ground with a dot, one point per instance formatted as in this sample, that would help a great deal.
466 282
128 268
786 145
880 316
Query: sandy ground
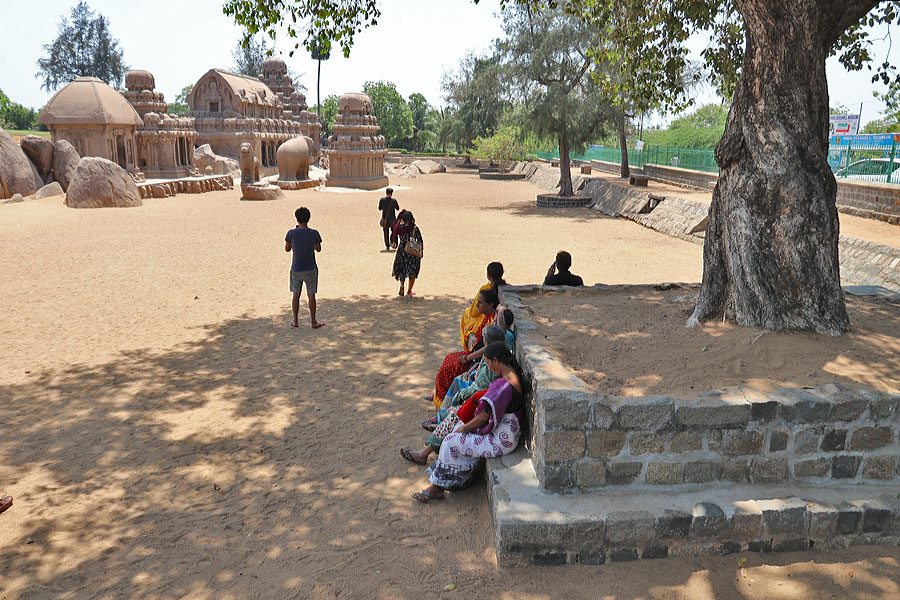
166 434
622 342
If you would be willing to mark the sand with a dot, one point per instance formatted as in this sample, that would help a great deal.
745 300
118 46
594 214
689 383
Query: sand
622 342
166 434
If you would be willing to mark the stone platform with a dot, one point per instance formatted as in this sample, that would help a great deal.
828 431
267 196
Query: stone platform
536 528
260 191
162 188
557 201
298 185
501 176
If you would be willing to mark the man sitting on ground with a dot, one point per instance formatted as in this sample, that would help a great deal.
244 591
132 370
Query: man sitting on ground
562 264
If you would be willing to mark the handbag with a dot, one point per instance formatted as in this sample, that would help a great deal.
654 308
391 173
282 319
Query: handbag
414 244
382 222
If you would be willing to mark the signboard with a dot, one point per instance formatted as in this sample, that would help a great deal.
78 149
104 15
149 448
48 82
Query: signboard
869 140
639 145
844 125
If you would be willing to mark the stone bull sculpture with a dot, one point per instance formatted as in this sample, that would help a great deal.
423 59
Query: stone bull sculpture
294 157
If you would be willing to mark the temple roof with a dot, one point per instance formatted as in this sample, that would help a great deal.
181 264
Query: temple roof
88 101
243 87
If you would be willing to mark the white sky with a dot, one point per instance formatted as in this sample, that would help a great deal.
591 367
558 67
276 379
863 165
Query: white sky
412 45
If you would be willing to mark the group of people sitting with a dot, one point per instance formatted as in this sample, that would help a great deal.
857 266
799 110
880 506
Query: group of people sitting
478 396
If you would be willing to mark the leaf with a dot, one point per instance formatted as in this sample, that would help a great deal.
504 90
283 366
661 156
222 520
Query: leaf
704 349
742 562
449 587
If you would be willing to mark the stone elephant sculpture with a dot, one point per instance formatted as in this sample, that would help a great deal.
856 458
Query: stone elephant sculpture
249 164
294 157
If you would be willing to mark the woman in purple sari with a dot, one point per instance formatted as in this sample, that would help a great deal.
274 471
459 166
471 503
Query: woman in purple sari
493 431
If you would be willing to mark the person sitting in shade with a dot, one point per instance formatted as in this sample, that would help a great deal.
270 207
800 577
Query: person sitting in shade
558 273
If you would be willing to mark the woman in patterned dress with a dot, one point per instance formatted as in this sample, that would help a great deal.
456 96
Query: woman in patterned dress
493 430
406 266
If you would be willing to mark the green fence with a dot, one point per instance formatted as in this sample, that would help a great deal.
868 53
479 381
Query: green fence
866 162
698 159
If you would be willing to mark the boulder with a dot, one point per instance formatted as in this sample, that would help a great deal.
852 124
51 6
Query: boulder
260 191
40 151
17 174
16 198
51 189
99 183
65 160
427 167
221 165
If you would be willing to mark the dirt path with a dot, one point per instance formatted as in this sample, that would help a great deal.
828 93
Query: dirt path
166 434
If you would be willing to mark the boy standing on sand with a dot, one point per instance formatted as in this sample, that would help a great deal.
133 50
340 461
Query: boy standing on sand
305 242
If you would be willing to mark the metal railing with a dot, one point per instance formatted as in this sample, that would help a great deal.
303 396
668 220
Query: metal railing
697 159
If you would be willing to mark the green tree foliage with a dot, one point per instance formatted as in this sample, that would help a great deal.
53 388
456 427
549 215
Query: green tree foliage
16 116
180 106
249 55
546 58
4 100
419 108
84 47
702 128
478 96
329 111
394 115
890 122
504 145
440 124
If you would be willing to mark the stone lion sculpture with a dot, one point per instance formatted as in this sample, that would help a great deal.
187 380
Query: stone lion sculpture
294 157
249 164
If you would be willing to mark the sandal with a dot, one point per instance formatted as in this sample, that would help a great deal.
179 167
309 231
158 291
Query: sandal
5 502
430 424
408 455
424 496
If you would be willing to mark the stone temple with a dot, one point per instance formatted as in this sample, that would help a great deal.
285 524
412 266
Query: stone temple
355 150
133 130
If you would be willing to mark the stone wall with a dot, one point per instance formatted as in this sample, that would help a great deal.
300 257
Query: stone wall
870 200
699 180
583 439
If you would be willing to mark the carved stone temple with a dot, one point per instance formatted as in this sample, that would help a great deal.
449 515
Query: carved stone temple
356 151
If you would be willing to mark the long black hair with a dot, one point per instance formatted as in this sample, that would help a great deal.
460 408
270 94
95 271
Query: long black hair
500 351
495 272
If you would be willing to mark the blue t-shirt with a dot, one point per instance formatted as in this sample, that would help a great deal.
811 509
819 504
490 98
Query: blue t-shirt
303 244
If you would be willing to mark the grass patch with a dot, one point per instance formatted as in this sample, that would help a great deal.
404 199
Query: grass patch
24 132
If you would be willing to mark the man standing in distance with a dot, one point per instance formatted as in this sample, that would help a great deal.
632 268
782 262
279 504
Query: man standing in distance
305 242
388 207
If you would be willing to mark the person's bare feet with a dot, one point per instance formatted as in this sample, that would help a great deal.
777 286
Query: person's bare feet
317 324
400 293
295 324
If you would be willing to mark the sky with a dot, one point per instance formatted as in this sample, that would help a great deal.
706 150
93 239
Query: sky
413 45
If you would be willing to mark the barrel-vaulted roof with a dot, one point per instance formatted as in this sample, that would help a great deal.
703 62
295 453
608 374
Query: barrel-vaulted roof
249 89
89 101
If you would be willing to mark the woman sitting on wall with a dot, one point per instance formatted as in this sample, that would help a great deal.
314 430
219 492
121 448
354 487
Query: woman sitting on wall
492 431
457 363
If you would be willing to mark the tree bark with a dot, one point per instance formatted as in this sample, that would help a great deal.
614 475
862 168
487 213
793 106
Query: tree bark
770 258
624 170
565 171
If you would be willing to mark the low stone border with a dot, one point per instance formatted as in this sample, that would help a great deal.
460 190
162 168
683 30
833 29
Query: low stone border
583 439
193 185
502 176
534 528
557 201
299 185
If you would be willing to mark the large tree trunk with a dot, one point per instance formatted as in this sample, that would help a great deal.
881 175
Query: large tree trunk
624 170
565 171
770 258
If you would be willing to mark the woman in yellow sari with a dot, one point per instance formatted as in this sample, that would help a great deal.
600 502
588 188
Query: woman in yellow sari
472 320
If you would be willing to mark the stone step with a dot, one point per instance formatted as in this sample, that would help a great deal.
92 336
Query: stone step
612 525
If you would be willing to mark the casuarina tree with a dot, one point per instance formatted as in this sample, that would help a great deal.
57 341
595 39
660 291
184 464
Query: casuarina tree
84 47
546 57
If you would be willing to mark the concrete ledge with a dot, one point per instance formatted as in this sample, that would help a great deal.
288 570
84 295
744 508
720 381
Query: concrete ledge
536 528
501 176
557 201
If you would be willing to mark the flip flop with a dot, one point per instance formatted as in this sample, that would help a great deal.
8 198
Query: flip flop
407 455
5 502
319 324
410 293
424 496
430 424
294 325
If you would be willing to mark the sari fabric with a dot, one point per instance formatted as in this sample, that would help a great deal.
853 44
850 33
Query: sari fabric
459 454
472 321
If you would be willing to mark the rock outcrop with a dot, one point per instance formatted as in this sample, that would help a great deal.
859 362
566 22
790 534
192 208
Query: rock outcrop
221 165
427 167
17 174
40 151
65 161
51 189
100 183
